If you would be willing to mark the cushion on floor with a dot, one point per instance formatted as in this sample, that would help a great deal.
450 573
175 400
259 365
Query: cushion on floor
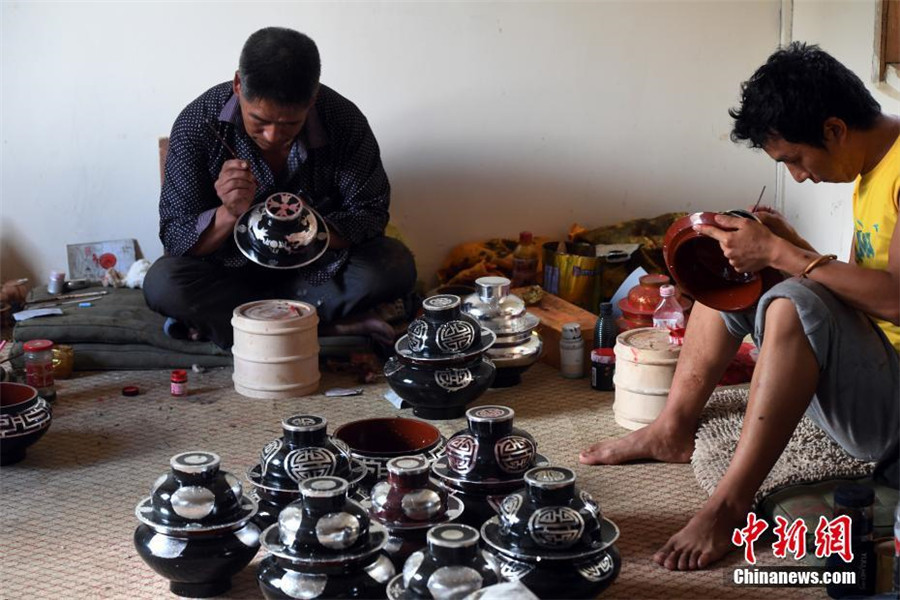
119 331
810 454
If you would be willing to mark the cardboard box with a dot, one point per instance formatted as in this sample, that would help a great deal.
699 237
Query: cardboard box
555 312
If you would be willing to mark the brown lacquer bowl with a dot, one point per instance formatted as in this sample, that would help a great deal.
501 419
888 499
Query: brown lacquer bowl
701 270
374 442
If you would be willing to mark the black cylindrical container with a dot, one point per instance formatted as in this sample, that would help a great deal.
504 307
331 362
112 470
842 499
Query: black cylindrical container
856 502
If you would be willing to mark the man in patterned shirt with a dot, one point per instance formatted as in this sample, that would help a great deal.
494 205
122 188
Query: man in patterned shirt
288 133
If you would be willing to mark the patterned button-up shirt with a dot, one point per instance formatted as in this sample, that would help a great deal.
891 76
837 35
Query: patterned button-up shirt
335 160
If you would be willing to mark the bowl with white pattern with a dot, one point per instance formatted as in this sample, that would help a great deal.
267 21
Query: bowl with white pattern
282 232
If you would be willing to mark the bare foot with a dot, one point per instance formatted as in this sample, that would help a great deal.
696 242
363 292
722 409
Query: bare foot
705 539
657 441
364 324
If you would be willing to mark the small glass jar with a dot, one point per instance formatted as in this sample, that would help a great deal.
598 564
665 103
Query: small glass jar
179 382
39 367
56 283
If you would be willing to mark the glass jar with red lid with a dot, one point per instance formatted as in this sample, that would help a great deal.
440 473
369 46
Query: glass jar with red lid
39 367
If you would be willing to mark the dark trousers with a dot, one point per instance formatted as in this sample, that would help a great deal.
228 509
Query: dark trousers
204 295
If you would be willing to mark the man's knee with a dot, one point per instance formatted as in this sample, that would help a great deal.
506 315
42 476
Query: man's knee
387 266
782 318
165 290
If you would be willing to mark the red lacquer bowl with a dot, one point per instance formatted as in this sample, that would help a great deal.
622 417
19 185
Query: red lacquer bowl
702 271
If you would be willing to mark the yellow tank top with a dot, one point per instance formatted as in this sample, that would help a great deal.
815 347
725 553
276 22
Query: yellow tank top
874 217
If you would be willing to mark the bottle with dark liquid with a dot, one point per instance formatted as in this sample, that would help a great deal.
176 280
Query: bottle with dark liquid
603 358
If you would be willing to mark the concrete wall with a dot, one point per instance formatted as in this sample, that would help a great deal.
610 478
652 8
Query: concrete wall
823 213
492 117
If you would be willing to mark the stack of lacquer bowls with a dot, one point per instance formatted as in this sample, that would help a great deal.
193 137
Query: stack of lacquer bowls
196 527
518 345
552 537
486 461
408 503
452 566
324 546
303 451
440 364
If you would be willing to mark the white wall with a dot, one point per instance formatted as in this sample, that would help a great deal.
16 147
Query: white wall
823 213
492 117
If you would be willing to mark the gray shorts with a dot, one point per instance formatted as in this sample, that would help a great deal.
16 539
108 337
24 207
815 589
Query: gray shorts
857 401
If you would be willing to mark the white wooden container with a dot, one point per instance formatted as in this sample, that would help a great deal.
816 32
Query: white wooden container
276 349
645 365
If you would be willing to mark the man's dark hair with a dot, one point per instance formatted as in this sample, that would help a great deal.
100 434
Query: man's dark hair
281 65
793 94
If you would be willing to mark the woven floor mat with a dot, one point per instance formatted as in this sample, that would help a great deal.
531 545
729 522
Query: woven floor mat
67 511
810 454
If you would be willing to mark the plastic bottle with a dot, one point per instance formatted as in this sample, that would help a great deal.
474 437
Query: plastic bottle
571 351
668 314
525 261
857 502
603 358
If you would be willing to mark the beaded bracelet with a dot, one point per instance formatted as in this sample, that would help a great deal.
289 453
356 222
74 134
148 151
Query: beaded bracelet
821 260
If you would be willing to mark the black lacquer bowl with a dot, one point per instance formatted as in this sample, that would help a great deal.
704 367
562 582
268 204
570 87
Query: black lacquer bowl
440 391
324 545
486 460
24 418
304 450
283 232
551 528
452 566
196 527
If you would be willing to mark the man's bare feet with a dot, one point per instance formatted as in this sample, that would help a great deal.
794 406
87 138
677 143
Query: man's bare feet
658 441
364 324
705 539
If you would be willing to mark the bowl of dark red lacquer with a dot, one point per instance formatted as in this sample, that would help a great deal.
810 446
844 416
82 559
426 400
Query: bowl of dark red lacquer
700 269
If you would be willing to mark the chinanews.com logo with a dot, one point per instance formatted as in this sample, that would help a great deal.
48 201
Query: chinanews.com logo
831 538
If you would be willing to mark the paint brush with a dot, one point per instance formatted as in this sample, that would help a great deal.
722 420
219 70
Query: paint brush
758 200
224 143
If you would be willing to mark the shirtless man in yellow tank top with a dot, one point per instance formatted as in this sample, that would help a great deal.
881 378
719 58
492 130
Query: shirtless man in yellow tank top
828 336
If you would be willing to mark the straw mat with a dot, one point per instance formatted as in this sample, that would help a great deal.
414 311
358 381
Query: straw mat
67 510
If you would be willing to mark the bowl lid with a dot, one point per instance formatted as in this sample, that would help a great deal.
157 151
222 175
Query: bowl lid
304 451
254 476
455 508
274 310
273 539
402 347
491 533
195 496
408 465
495 308
452 479
490 414
250 233
304 423
452 535
551 518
